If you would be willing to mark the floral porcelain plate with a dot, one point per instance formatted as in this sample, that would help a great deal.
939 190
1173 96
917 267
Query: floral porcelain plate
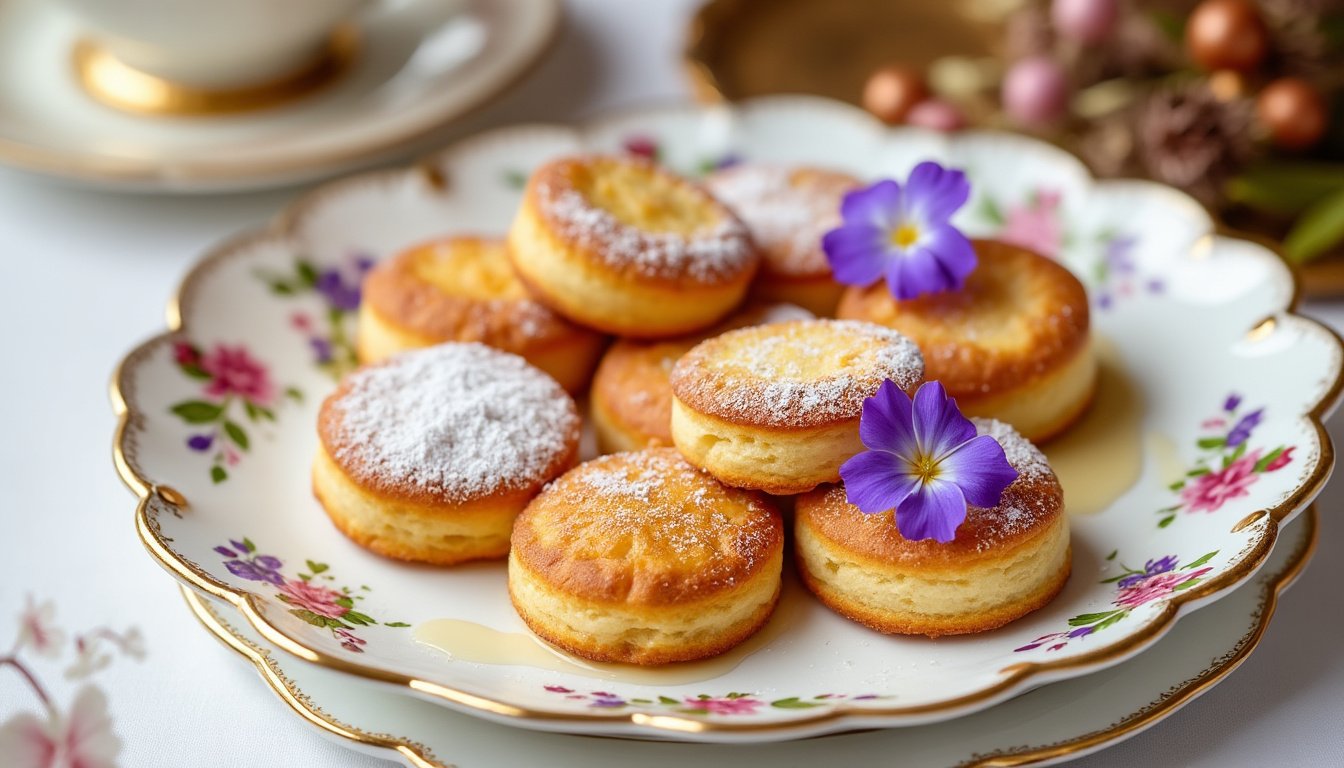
1204 438
1048 725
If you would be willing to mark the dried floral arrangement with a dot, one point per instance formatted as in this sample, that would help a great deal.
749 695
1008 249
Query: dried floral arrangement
1237 102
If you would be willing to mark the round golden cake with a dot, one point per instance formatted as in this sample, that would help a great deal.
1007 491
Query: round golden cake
464 289
641 558
631 398
621 245
776 407
431 454
1003 563
787 211
1013 344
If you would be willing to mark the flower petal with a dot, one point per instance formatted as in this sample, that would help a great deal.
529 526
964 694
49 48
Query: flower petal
954 253
27 741
876 206
915 273
932 512
933 193
886 423
980 468
939 425
88 733
876 481
856 253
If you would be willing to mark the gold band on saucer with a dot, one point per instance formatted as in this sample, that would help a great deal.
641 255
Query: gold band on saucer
114 83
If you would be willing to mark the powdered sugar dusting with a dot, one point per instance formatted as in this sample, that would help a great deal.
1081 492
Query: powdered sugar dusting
718 252
461 421
795 373
1025 503
652 505
787 212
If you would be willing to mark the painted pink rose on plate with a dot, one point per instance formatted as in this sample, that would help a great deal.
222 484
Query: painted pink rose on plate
1035 225
234 371
314 597
1207 493
726 706
1156 587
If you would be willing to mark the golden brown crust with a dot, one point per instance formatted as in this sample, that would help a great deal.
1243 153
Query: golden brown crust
1019 316
631 393
706 245
347 451
413 532
796 375
1036 502
719 643
934 627
499 313
645 528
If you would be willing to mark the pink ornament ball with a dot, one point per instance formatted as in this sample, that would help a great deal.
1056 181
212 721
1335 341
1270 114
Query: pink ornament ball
1087 21
1035 91
937 115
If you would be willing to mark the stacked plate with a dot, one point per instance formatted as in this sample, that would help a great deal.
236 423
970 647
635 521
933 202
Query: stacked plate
1185 479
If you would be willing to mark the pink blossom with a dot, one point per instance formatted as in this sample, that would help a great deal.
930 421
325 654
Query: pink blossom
301 321
1208 493
741 705
185 354
82 739
1214 423
314 597
1036 225
234 371
1155 588
1280 461
37 629
231 457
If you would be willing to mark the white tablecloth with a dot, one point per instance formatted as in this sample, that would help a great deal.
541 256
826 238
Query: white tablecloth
85 275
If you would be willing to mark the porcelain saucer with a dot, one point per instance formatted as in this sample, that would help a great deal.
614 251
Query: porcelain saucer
420 64
1050 725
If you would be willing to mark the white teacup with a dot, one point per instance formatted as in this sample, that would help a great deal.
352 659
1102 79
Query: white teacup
214 44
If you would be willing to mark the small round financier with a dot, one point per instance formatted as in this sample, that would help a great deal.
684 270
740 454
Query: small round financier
430 455
1013 344
788 210
621 245
776 407
464 289
643 559
1004 563
631 398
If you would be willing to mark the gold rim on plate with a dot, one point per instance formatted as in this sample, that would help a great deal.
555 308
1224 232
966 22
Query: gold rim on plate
1014 676
1273 585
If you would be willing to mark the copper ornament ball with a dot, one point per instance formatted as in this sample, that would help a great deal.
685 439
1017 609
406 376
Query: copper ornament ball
1293 112
892 91
1226 34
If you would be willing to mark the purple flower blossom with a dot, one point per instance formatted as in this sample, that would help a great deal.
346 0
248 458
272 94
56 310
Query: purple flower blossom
1150 568
226 552
364 262
338 293
904 234
1119 255
1231 403
558 689
252 571
1242 430
607 700
321 349
242 546
200 442
1082 631
925 460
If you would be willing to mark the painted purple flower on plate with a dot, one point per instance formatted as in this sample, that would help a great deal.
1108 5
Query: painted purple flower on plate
903 233
924 460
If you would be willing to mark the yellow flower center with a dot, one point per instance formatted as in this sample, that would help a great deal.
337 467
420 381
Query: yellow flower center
925 468
905 235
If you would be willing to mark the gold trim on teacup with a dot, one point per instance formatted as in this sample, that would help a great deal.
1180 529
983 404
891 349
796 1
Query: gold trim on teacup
117 84
1013 679
1159 709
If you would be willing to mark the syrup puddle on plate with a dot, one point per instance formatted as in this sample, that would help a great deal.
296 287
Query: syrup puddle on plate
479 644
1101 456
